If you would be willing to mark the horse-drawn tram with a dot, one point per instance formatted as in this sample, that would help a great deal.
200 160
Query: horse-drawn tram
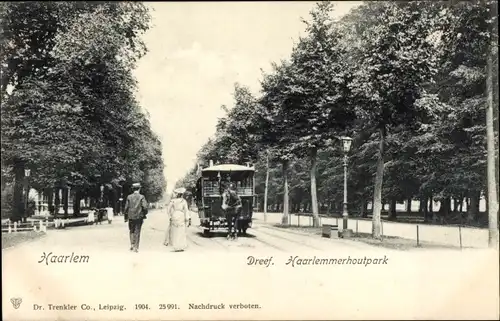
209 199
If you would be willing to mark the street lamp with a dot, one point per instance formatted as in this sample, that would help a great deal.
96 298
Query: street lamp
346 143
27 173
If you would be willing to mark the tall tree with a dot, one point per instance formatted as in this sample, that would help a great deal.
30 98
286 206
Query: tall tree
466 85
70 108
317 91
490 130
396 59
277 125
240 127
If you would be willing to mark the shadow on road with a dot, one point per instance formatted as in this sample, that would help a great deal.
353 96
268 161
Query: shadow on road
223 234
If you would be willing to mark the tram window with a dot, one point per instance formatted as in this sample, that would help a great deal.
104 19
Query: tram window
245 183
210 187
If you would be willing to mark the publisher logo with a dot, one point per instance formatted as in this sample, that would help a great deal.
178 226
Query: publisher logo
16 302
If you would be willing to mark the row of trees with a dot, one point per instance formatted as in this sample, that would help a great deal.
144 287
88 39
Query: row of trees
410 82
69 113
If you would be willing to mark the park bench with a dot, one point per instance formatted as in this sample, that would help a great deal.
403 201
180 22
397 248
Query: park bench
327 229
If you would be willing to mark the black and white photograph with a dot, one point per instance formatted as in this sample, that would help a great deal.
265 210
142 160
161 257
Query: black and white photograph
259 160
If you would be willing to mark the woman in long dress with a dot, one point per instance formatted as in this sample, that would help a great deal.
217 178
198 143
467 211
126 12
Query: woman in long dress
178 213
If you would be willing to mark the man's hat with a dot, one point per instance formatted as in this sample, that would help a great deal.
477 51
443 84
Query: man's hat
136 185
180 190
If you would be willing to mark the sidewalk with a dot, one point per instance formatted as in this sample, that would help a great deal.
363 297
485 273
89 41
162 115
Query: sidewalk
444 235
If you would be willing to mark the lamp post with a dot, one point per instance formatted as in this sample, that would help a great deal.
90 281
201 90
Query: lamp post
27 173
101 196
120 201
346 143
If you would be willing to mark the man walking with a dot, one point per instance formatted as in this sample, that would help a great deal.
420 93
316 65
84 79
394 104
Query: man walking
136 208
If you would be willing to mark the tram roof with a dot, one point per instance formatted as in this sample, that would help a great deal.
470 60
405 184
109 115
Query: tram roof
228 168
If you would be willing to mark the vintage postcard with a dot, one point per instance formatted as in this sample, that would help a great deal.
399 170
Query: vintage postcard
287 160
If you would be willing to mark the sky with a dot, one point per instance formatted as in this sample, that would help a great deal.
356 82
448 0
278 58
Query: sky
197 51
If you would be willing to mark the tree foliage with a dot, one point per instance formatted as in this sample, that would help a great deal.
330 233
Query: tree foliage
405 79
69 111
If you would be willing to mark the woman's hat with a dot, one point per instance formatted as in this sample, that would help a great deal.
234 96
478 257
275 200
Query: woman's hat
180 190
136 185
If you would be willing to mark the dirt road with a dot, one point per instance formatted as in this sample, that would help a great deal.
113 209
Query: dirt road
103 280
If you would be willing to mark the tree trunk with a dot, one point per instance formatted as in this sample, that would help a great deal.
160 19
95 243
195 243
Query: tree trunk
377 193
26 197
284 219
362 209
65 196
444 210
423 208
314 197
57 201
473 209
432 214
490 134
266 187
117 193
456 204
392 210
408 205
50 200
17 198
76 202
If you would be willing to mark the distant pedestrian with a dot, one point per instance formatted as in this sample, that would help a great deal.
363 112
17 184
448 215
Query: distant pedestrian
136 209
110 214
100 209
100 215
91 216
178 214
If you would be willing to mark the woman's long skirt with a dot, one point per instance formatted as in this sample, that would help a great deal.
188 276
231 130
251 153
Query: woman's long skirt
176 234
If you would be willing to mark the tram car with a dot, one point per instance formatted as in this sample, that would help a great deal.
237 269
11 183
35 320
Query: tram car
208 196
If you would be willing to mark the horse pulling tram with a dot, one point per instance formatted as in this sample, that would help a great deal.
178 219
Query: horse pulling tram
209 196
